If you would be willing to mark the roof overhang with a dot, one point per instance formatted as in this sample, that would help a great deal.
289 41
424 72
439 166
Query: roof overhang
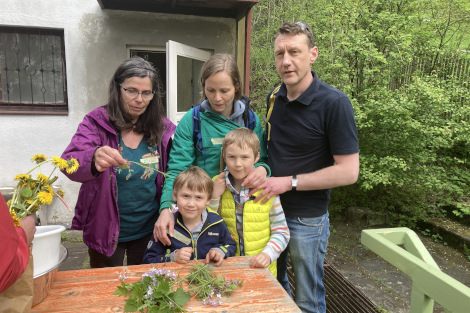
214 8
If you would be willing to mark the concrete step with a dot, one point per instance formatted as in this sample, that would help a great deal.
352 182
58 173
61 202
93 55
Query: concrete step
448 232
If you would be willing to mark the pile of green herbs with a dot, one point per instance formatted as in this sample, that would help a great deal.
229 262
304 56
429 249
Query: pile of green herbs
161 290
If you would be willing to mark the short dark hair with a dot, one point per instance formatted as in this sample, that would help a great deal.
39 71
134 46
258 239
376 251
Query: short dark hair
218 63
150 123
296 29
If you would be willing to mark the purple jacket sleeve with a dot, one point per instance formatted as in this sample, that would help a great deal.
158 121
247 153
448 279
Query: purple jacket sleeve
90 136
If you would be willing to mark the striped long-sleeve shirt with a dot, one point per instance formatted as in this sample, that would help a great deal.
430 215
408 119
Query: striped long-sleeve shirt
279 231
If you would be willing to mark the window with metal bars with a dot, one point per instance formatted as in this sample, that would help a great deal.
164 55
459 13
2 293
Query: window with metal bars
32 71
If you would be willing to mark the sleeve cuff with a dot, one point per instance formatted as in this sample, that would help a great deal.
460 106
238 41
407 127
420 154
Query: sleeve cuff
272 254
218 249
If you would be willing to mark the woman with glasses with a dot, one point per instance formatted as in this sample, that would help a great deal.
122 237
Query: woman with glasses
122 148
222 109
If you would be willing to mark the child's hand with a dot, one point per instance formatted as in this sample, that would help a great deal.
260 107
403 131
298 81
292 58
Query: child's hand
219 186
183 255
261 260
216 256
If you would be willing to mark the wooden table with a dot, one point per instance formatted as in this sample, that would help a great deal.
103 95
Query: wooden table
91 290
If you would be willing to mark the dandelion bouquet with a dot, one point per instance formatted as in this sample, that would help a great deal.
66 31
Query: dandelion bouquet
31 192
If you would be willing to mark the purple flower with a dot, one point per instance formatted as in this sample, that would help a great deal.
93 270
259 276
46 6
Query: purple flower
123 276
173 208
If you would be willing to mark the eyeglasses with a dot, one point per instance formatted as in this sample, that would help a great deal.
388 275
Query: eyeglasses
132 93
302 26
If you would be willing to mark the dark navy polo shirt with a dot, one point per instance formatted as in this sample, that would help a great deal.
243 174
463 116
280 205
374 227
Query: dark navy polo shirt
305 134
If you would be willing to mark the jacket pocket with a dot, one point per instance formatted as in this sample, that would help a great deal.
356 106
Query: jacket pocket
86 198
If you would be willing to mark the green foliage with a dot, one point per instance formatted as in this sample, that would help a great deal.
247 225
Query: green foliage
64 236
161 291
208 287
463 209
395 60
466 251
155 292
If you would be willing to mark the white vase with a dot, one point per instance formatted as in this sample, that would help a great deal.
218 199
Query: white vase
46 248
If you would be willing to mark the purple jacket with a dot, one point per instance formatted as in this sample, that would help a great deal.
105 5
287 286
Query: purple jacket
96 212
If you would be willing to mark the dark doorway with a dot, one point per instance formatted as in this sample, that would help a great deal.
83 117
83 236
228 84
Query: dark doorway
158 59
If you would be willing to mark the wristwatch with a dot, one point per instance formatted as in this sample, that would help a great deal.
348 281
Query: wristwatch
294 182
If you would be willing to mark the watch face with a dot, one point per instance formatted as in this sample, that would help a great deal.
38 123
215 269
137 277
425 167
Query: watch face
294 182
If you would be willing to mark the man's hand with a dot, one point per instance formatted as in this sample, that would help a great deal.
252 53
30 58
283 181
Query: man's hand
165 221
262 260
219 186
272 186
216 256
183 255
106 156
255 178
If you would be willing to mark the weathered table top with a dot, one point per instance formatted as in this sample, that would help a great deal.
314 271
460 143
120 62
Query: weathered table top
91 290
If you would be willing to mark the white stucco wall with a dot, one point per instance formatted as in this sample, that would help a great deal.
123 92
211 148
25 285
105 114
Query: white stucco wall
95 44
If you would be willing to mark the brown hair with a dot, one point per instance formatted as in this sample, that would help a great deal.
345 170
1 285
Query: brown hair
242 137
296 29
195 179
149 123
218 63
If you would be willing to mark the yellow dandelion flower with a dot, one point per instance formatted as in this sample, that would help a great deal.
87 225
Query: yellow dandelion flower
59 162
42 178
22 177
45 197
8 203
39 158
47 188
72 165
61 192
15 219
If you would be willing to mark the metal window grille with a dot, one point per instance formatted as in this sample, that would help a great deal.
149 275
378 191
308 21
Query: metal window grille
32 71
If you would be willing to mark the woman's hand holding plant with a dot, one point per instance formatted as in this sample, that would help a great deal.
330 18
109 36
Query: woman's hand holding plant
106 156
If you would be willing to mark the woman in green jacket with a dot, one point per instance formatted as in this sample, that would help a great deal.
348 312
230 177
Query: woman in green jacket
222 109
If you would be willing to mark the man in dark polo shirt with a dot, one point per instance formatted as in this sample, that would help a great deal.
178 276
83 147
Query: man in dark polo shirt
312 147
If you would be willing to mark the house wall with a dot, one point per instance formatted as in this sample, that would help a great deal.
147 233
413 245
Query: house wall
95 44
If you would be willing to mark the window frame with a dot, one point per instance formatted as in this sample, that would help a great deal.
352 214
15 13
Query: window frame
49 108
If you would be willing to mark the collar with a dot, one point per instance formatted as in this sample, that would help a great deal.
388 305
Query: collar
307 96
198 228
243 192
238 109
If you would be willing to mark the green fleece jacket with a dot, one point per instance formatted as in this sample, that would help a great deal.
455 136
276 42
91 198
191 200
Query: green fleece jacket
214 127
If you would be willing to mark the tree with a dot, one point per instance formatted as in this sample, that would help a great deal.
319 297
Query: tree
413 123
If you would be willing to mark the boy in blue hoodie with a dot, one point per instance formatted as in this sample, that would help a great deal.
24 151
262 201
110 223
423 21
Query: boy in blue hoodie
198 234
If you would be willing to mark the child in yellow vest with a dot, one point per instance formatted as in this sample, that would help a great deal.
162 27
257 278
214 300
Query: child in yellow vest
258 229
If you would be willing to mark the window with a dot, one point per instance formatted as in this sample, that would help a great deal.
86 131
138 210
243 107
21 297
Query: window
32 71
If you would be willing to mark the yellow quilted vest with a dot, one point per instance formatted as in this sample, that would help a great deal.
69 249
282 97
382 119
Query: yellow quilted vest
256 225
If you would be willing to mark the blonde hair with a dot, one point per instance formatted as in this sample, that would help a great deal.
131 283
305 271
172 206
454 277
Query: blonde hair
242 137
195 179
221 62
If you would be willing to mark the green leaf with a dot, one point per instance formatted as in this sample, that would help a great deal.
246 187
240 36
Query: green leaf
26 192
164 287
180 297
131 306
